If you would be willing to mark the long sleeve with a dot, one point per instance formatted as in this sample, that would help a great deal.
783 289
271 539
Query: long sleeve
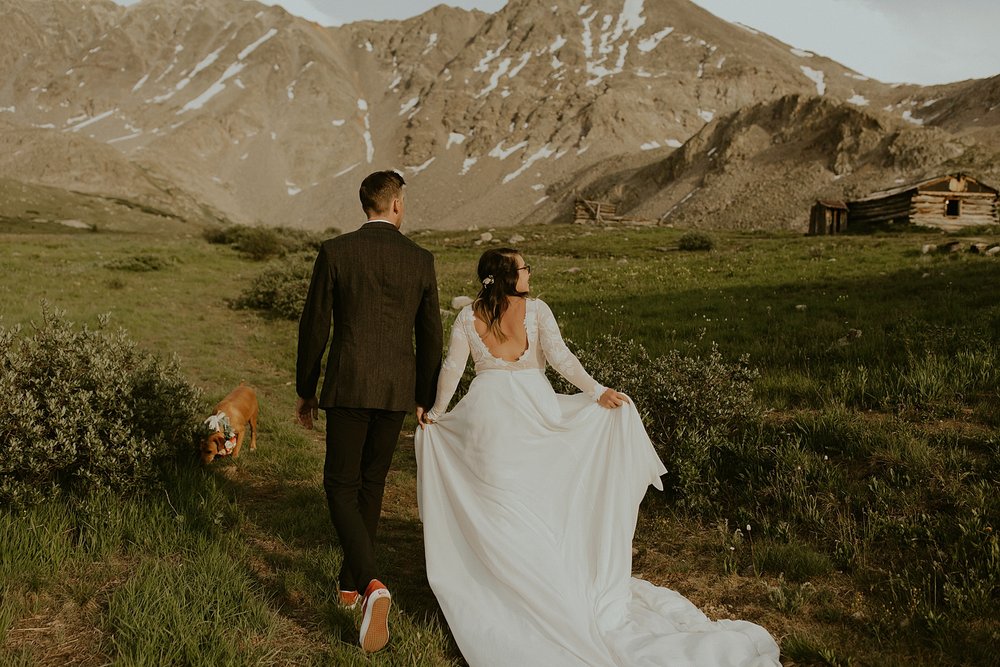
452 368
314 326
429 335
559 356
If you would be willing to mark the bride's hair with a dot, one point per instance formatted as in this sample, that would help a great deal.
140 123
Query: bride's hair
498 280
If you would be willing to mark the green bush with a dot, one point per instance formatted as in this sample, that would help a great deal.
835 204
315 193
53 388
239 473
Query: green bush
696 241
281 288
694 408
262 243
85 409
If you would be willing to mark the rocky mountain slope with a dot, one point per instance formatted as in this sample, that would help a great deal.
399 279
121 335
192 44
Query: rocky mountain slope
230 110
763 166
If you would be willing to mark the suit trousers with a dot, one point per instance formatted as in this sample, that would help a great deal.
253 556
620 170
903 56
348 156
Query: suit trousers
360 443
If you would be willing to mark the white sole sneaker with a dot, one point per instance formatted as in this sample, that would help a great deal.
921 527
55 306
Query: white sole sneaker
375 624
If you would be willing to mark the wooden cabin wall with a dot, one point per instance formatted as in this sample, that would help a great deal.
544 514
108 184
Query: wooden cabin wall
593 211
817 225
823 220
976 209
893 207
840 220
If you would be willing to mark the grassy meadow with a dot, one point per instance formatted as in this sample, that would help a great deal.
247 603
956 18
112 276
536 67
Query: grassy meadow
867 484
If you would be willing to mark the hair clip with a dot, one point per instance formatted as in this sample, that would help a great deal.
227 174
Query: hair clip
488 280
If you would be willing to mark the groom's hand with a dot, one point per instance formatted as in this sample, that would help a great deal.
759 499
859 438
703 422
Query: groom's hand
306 410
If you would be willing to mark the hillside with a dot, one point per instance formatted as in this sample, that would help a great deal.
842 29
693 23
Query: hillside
763 166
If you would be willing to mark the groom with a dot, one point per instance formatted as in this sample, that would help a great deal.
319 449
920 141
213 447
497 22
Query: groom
380 290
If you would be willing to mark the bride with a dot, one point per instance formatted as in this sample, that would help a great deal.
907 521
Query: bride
529 501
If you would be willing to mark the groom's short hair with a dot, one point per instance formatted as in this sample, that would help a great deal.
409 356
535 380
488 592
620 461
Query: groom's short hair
379 189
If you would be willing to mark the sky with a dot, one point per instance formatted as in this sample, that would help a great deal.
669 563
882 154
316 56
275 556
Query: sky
894 41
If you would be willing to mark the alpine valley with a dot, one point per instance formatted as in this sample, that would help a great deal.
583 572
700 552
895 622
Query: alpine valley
182 113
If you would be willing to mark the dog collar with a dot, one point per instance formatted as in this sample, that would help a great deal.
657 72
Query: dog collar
220 422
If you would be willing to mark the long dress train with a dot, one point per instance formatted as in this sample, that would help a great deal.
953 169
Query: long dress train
529 502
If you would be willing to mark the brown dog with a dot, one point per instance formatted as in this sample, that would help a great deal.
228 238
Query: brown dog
227 427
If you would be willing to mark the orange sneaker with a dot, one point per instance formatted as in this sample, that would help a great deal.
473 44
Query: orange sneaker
375 620
349 599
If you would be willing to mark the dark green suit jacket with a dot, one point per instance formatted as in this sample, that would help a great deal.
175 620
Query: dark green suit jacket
380 290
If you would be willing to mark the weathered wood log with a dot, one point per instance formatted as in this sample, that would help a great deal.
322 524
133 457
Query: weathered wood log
949 202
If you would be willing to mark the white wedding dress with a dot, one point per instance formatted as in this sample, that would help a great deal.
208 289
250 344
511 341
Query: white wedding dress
529 501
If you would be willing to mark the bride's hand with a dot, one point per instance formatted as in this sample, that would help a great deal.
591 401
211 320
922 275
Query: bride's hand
423 417
612 399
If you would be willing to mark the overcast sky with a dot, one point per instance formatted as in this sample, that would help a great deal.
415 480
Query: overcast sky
913 41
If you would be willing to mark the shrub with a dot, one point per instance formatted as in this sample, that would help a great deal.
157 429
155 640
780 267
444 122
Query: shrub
262 243
281 288
85 409
696 241
694 408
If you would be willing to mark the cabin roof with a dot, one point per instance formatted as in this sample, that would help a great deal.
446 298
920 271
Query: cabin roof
926 183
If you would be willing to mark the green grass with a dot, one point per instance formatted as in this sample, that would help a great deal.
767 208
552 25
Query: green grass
869 485
796 562
807 651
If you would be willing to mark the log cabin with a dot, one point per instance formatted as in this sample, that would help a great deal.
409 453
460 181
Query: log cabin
948 202
828 216
588 211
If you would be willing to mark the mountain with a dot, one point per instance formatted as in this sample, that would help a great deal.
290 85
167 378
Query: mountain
969 107
764 165
229 110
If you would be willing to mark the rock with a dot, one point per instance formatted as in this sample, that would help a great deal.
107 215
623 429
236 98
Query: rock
928 248
573 269
515 239
953 246
978 248
992 252
460 302
800 307
485 237
926 275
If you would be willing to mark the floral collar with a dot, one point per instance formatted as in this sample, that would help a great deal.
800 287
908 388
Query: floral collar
219 422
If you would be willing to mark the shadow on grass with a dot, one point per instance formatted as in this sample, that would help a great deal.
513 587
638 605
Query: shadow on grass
800 332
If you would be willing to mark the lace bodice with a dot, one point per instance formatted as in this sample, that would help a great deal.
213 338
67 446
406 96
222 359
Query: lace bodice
545 344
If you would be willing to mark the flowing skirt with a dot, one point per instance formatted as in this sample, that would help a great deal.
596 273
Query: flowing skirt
529 502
